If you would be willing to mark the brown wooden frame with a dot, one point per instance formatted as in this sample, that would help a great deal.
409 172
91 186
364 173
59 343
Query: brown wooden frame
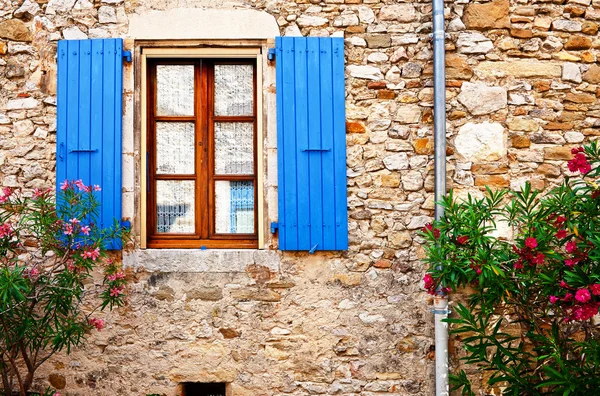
204 147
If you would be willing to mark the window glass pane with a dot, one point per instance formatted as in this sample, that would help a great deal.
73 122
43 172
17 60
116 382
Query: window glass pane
175 206
234 90
234 153
175 148
175 90
234 207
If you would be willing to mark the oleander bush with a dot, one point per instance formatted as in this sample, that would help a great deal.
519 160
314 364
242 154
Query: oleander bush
529 316
49 247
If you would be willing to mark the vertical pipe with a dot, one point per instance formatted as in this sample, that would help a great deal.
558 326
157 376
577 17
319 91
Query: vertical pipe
439 118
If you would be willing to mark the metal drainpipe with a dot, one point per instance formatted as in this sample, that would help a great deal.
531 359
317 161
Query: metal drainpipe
439 107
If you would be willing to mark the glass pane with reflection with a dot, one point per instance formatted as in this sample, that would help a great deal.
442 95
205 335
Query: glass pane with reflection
175 206
234 207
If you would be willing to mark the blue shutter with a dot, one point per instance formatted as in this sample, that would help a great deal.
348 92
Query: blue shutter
311 143
89 111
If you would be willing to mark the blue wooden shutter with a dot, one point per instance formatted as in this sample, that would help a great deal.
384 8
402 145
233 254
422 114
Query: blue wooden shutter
89 111
311 143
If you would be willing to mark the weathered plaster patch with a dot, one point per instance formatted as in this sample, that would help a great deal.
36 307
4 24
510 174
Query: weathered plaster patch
192 23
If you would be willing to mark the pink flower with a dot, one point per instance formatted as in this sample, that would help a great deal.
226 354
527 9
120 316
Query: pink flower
595 288
91 253
34 272
583 295
56 394
553 299
518 264
79 184
428 227
64 185
570 263
563 284
97 323
531 243
85 230
561 234
585 312
568 297
116 291
6 230
462 240
579 163
37 193
87 189
539 259
559 220
576 150
571 246
68 229
97 187
70 265
7 191
74 221
116 276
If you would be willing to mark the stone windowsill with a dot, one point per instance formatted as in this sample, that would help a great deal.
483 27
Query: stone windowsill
195 260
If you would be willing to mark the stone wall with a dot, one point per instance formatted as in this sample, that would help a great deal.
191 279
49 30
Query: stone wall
523 88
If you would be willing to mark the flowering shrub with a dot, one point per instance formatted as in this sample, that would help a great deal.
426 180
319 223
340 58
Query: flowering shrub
529 318
48 250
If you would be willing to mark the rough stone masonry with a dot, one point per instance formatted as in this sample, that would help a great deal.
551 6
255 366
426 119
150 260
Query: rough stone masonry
522 89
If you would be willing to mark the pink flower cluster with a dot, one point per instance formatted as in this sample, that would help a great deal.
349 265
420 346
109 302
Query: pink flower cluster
89 252
116 291
429 228
116 276
65 185
528 255
6 193
579 161
430 285
74 225
97 323
6 230
578 256
583 307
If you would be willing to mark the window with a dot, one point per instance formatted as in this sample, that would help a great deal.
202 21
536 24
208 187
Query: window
202 157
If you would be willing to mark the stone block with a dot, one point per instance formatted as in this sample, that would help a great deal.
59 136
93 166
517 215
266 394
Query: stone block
481 99
481 142
398 12
15 29
378 40
492 15
521 69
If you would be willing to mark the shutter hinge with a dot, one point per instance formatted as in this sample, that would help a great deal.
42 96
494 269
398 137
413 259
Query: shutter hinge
274 227
312 250
271 54
127 56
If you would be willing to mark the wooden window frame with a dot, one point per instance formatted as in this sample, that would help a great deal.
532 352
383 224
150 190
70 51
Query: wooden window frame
205 234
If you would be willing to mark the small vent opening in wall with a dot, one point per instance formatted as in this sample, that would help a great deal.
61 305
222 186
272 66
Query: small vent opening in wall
204 389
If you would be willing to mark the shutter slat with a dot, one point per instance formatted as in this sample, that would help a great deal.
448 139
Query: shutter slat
301 97
290 189
339 144
315 190
84 160
311 144
73 109
89 124
96 109
326 83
